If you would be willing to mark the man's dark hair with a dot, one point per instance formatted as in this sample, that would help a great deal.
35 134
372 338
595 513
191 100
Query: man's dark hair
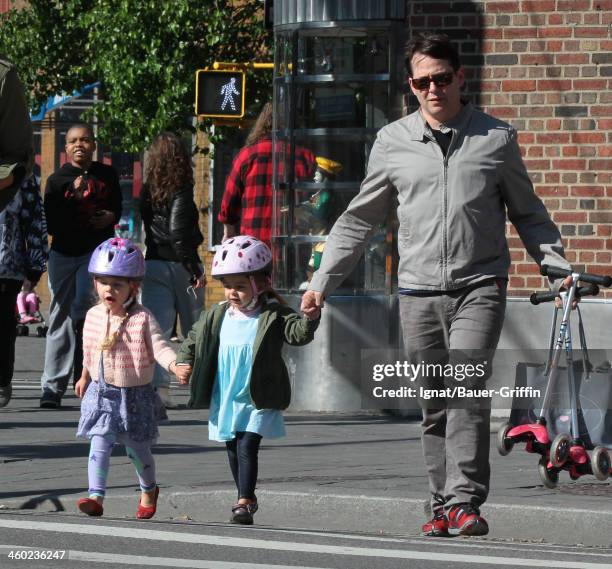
437 46
84 126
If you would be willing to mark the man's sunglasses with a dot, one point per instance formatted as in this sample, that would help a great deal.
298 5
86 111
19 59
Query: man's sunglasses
439 80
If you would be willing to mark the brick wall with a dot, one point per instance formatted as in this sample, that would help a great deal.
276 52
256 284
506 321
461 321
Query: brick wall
545 66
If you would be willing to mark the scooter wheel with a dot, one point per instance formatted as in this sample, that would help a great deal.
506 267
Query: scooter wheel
549 476
559 449
40 332
504 444
600 463
22 330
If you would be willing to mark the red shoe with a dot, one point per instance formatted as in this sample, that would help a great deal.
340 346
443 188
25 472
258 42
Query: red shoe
147 512
437 526
90 507
465 519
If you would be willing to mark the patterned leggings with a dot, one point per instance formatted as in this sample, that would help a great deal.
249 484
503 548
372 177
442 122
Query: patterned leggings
99 459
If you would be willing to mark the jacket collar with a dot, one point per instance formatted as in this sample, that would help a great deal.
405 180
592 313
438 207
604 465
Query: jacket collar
419 129
269 313
266 318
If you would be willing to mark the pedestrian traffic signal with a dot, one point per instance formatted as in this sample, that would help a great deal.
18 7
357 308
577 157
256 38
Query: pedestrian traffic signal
220 93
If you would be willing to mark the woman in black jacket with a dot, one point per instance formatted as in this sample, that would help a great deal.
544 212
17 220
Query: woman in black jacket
174 278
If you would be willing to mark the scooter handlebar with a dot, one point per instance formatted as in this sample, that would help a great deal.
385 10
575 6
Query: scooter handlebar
556 273
539 297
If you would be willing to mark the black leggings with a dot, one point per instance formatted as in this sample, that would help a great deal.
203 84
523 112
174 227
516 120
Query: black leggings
242 453
9 289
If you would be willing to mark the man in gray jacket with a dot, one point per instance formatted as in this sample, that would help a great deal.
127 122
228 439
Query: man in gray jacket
455 172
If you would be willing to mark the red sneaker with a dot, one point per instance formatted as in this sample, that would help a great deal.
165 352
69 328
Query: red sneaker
437 526
465 519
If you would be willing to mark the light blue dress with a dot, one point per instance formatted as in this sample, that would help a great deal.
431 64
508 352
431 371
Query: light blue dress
231 408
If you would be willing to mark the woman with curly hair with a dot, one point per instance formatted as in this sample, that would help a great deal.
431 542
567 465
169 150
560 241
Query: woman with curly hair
174 278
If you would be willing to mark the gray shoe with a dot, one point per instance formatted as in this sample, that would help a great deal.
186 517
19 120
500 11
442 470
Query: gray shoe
50 400
6 393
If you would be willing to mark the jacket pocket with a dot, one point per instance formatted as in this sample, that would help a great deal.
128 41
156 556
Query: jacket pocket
404 236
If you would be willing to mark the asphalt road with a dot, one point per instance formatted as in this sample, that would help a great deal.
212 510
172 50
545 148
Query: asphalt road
72 541
332 473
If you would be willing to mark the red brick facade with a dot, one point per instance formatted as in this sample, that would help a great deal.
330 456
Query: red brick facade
545 66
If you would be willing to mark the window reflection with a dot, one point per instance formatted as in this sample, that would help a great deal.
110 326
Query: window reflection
332 95
321 54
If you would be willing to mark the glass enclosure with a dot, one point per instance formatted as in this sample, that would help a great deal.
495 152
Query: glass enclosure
333 91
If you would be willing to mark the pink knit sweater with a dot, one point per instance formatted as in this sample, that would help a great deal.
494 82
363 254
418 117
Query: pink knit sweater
131 361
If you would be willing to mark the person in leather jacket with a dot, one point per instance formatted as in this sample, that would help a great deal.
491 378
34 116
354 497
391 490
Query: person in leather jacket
174 277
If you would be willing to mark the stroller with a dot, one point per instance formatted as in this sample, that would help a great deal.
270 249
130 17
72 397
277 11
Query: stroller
565 451
28 312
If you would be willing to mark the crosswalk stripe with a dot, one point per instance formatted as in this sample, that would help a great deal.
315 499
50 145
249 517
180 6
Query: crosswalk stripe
273 545
466 544
115 559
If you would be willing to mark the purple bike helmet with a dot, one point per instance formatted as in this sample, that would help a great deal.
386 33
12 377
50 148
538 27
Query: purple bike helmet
241 255
117 257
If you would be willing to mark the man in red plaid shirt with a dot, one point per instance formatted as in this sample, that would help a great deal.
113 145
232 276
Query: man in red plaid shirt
248 189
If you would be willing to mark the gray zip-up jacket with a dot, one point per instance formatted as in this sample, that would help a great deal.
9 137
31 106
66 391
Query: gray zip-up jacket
451 211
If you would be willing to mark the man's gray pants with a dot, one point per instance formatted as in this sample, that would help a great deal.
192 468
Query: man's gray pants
72 295
455 434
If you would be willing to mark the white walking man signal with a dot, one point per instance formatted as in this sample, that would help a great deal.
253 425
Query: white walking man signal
228 90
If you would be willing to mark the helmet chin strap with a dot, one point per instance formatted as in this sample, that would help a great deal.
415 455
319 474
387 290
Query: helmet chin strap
253 302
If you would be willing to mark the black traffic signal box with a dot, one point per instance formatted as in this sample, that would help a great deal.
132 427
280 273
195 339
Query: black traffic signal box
220 93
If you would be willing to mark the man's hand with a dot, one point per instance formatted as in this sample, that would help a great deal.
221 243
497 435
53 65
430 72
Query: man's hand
565 285
312 302
182 373
80 186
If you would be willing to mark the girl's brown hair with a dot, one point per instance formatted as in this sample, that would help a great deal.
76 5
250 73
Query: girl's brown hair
168 168
262 126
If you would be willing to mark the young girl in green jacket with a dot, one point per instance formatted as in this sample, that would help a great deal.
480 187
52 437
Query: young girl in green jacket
233 356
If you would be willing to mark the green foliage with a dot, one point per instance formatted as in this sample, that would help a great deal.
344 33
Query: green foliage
144 52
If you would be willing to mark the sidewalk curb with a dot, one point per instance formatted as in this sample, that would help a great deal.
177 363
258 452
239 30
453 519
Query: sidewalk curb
335 512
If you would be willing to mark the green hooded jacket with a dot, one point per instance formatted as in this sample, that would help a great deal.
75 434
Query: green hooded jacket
269 385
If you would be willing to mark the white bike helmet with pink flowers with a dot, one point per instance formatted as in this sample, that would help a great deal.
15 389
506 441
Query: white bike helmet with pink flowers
241 255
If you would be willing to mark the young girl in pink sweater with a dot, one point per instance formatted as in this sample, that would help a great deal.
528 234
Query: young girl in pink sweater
121 342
